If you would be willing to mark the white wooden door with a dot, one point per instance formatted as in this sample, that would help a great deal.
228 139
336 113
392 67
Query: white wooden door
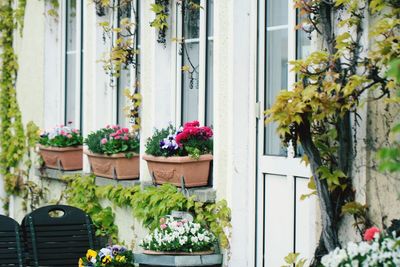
284 223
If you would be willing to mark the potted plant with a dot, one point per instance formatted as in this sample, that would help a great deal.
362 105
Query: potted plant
172 154
61 148
111 256
113 153
177 236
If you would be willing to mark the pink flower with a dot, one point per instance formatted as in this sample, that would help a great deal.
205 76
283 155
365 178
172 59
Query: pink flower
75 131
126 138
108 126
192 124
371 233
103 141
163 226
117 137
113 134
125 130
62 132
119 132
115 127
69 135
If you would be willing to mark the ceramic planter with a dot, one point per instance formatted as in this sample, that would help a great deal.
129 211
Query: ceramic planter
171 169
116 166
63 158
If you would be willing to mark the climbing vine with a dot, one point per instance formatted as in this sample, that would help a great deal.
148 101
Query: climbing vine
331 86
12 137
148 205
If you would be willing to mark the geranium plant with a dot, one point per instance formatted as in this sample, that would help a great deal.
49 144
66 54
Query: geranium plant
112 256
113 140
179 235
61 136
377 249
189 140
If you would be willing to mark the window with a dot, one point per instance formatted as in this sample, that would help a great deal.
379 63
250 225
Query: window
282 44
73 57
129 78
195 61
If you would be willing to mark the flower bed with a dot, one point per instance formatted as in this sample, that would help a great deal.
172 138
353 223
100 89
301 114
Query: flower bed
172 154
175 236
377 250
111 256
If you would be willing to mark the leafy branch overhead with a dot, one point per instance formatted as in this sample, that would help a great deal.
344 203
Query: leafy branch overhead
332 84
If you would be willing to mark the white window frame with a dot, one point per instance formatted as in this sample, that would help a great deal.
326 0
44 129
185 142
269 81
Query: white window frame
79 59
203 39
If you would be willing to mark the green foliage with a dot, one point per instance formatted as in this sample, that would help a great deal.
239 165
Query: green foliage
148 205
12 137
292 259
153 143
81 193
390 156
113 140
160 22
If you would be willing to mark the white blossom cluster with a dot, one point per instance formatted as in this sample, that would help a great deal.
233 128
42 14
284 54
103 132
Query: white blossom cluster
382 251
179 236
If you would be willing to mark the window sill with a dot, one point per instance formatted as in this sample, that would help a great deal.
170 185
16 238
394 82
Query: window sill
202 194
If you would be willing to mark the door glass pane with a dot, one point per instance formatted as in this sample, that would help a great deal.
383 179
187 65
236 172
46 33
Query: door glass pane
277 12
210 64
71 64
276 80
190 64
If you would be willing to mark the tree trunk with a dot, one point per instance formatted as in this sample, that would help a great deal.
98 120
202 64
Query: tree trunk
329 230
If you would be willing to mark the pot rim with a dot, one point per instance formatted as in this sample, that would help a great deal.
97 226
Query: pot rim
118 155
178 253
56 148
177 159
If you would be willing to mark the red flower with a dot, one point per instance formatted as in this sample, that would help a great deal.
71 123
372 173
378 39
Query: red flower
192 124
125 130
370 233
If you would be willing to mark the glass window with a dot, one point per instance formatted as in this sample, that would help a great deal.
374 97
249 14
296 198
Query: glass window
125 81
190 63
210 64
276 75
197 47
72 65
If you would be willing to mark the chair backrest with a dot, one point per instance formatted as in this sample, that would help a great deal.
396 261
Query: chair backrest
11 246
54 239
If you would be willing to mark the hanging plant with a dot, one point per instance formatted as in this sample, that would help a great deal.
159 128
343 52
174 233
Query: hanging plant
160 22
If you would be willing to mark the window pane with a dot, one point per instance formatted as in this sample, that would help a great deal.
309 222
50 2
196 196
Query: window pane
190 82
71 64
277 12
276 80
191 21
210 64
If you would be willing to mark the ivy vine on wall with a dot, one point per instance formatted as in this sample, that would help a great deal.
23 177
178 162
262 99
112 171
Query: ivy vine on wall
12 136
148 206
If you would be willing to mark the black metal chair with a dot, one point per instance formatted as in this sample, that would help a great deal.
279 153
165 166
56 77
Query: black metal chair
11 246
57 235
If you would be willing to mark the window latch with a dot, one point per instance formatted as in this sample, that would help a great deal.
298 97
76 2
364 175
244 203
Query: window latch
258 110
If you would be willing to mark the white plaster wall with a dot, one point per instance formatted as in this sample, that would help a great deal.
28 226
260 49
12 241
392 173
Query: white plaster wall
30 51
157 82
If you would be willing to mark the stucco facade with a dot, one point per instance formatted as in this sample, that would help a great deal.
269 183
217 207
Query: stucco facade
236 124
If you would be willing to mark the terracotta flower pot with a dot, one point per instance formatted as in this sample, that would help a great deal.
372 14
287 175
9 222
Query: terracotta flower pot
171 169
116 166
64 158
